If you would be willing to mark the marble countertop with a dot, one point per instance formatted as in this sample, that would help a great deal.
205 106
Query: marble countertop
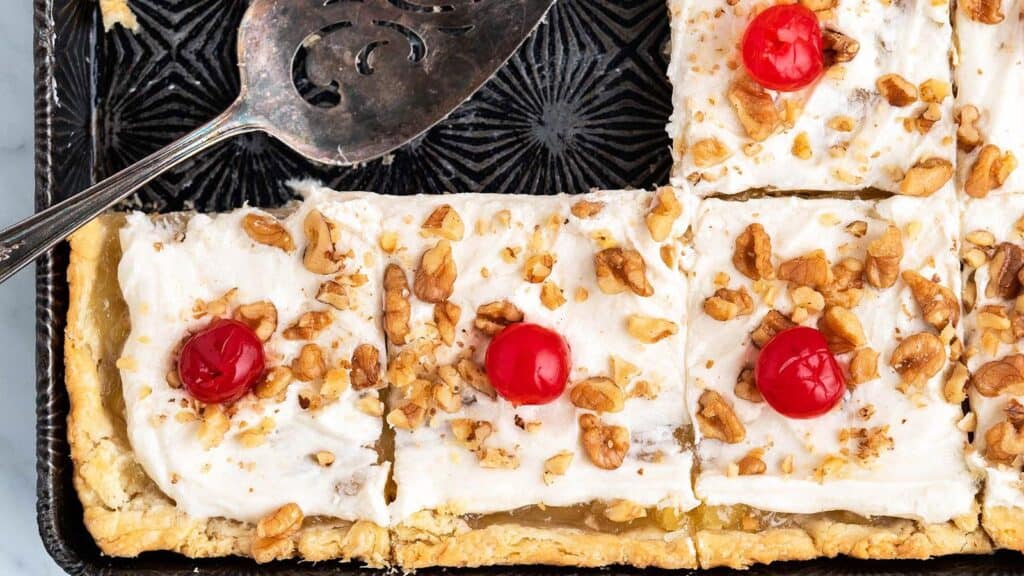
21 550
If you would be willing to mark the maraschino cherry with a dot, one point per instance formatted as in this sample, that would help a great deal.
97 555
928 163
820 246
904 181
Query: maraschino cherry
783 48
797 374
221 362
528 364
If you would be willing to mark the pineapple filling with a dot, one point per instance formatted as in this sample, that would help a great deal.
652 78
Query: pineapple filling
603 517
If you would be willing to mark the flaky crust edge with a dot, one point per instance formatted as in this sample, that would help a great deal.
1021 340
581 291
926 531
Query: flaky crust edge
817 536
1005 525
123 509
436 539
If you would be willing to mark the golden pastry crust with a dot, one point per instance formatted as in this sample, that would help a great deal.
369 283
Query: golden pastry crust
815 536
118 12
433 539
1005 526
124 510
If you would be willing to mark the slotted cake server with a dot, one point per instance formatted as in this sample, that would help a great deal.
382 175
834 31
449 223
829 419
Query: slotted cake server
339 81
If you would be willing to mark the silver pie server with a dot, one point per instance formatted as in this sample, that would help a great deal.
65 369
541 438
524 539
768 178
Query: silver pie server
339 81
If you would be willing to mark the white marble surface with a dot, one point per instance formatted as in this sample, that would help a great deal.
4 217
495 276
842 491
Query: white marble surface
21 550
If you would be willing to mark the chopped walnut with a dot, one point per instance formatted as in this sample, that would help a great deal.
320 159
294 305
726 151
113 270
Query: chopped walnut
984 11
938 303
408 416
917 358
727 304
268 231
650 330
470 434
336 381
447 393
213 426
857 228
320 256
216 308
474 375
324 458
811 269
551 296
752 254
538 267
308 326
751 465
663 214
619 269
772 323
255 435
396 304
968 137
926 177
605 445
586 209
954 390
882 266
444 222
435 276
622 511
1004 442
708 152
1004 270
896 90
819 5
842 329
746 386
499 458
802 146
309 365
838 47
333 294
365 371
273 383
556 465
493 317
754 108
260 316
598 394
863 367
990 170
994 377
446 318
717 420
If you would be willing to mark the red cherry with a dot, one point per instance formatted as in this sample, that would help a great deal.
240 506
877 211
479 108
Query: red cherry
221 362
528 364
782 48
798 375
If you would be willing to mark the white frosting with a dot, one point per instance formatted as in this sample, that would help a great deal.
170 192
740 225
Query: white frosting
161 278
990 76
924 476
998 215
432 471
911 38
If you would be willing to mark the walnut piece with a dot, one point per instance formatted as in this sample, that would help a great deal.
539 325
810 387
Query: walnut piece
538 267
882 265
470 434
811 269
260 316
727 304
584 209
917 358
1003 443
772 323
443 222
333 294
863 367
650 330
990 170
273 383
896 90
968 137
264 229
556 465
396 304
493 317
435 277
754 107
320 256
622 511
605 445
498 458
708 152
551 296
838 47
599 394
309 365
663 214
308 326
619 269
365 371
938 303
752 253
1004 270
408 416
751 465
746 386
476 377
926 177
717 420
984 11
993 378
446 318
842 329
954 390
214 424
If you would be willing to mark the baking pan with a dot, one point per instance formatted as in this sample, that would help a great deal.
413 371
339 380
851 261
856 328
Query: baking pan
582 104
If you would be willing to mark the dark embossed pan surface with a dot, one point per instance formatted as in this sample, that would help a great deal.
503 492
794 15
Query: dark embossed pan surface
582 104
